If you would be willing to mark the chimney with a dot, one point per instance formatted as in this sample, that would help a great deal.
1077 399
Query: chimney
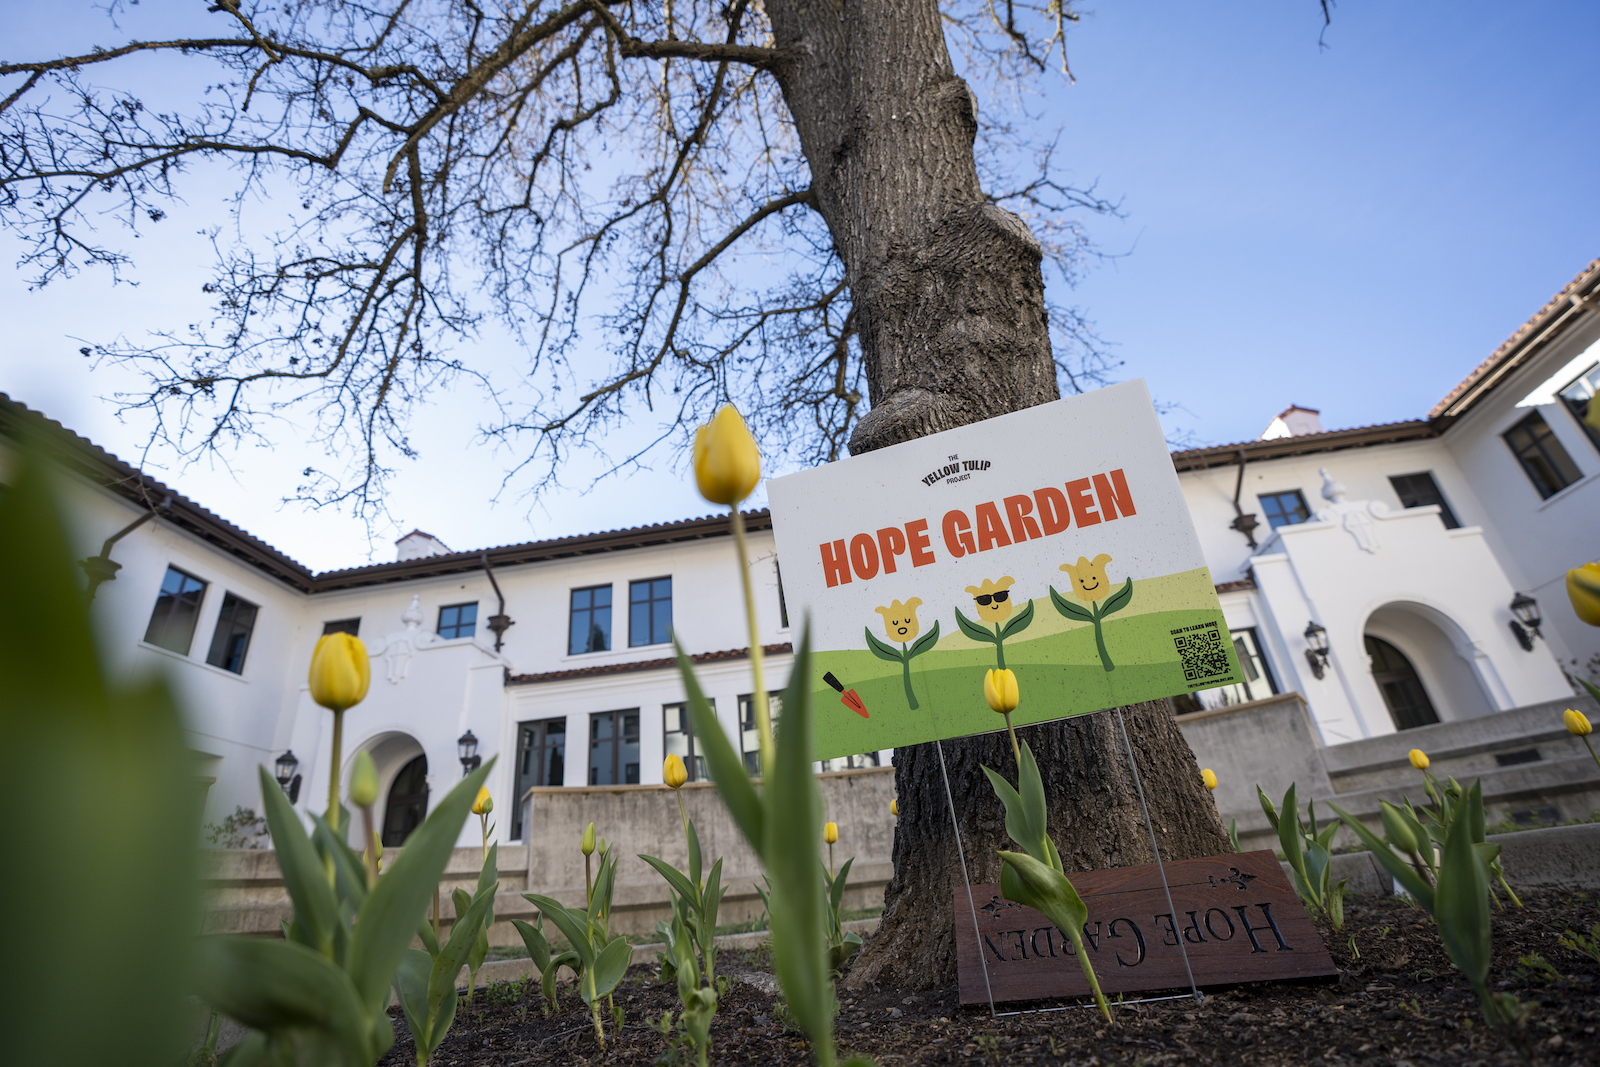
1293 421
419 545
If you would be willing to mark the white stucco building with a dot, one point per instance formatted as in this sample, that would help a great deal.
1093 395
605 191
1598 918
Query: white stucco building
1401 546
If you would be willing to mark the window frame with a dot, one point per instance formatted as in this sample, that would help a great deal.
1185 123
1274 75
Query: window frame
521 775
350 626
693 760
218 656
619 738
749 735
650 604
1552 456
1189 703
572 614
458 625
1447 514
1300 499
151 637
1579 408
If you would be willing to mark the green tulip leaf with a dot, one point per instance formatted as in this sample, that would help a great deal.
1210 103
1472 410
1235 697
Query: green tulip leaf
1018 622
1118 600
280 987
1068 608
695 860
1461 903
572 923
611 965
1403 872
463 933
973 630
726 765
534 939
680 885
315 908
925 642
881 650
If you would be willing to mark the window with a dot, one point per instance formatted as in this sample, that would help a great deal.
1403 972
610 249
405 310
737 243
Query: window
1543 460
749 736
1257 682
177 609
407 805
1402 690
1284 509
1579 399
650 612
458 620
679 734
783 605
342 626
1419 491
614 748
589 626
847 763
541 761
235 623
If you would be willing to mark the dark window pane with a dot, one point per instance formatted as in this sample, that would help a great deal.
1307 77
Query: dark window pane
458 620
650 612
235 623
1543 458
749 734
589 621
1284 509
176 611
1402 690
343 626
541 761
1420 491
408 803
614 748
1579 399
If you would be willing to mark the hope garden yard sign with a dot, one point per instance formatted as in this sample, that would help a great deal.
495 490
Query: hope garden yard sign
1053 541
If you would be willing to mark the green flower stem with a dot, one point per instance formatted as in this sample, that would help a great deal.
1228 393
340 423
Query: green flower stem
905 675
1075 935
1015 749
1100 640
763 710
333 771
999 647
1592 755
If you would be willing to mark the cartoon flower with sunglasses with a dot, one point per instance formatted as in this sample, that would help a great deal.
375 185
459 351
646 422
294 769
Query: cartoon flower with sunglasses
1090 584
900 623
993 602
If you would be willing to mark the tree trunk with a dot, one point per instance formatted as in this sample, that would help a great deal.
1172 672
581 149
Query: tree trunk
949 295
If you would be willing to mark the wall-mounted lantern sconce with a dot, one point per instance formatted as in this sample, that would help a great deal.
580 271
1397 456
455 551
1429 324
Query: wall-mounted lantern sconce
283 769
467 747
1525 624
1317 649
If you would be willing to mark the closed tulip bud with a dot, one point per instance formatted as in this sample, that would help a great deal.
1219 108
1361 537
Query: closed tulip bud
587 845
830 832
340 671
1583 584
727 463
1419 759
1396 829
484 803
673 772
1000 690
364 781
1209 777
1577 723
894 807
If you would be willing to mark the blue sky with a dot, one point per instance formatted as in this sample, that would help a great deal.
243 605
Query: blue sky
1350 228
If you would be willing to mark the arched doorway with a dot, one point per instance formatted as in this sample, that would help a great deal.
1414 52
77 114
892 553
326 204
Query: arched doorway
1403 692
408 802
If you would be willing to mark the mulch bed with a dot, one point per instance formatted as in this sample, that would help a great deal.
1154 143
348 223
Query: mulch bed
1400 1003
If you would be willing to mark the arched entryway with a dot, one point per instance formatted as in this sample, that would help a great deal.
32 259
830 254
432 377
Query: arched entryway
1403 692
407 805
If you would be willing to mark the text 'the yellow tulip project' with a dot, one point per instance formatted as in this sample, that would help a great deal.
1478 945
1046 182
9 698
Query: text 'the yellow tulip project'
1053 542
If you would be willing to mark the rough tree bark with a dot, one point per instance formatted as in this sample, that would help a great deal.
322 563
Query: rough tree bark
949 293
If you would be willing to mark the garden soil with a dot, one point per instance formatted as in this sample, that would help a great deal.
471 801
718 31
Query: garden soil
1400 1002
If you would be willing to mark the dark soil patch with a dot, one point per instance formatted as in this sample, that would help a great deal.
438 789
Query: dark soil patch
1400 1003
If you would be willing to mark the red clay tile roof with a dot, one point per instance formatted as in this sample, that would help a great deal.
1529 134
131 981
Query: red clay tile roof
1278 447
1582 292
643 665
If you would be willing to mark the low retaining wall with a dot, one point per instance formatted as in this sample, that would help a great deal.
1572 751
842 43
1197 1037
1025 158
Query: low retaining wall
246 893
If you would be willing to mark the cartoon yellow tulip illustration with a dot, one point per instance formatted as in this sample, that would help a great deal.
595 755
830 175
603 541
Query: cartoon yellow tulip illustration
1089 581
900 620
900 623
994 603
1090 585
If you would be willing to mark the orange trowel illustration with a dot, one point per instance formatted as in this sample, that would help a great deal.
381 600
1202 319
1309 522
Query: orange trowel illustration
848 697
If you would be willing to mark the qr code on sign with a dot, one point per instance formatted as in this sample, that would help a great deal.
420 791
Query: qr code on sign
1203 654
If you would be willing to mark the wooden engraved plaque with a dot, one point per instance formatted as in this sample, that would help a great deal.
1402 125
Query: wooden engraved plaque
1239 918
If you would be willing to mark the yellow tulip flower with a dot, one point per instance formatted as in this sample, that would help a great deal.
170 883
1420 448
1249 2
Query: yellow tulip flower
894 807
1089 581
340 671
1577 723
993 599
900 620
1000 690
1209 777
673 772
364 780
727 463
1583 589
1419 759
830 832
483 804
